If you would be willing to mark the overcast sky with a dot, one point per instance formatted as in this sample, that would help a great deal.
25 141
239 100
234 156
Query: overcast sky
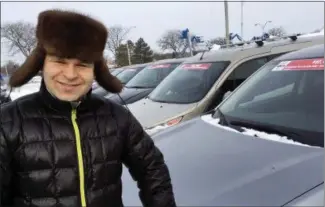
152 19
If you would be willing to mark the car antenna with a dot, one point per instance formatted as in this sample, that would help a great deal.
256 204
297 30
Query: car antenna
202 55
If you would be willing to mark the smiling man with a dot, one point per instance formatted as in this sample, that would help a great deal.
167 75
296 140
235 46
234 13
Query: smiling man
64 146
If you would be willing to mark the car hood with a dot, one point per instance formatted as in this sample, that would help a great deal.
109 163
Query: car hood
150 113
130 95
213 166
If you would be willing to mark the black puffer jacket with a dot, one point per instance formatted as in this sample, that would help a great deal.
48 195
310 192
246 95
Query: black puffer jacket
44 164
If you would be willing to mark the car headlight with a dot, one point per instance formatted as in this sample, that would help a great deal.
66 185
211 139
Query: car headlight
157 128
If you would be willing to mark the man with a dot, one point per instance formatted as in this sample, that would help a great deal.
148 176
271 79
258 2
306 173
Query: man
63 146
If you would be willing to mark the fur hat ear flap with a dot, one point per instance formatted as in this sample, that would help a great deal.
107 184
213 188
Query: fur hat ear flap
29 68
105 79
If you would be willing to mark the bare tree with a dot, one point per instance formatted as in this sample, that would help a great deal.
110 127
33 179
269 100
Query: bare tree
171 41
20 37
277 31
117 34
217 41
317 30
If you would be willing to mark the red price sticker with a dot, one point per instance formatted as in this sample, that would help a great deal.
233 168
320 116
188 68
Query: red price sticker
296 65
202 66
159 66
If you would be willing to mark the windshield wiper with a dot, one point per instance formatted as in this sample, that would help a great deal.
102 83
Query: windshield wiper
137 87
159 101
266 128
162 101
223 119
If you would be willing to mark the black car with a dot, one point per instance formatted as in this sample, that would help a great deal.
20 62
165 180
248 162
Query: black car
145 81
262 146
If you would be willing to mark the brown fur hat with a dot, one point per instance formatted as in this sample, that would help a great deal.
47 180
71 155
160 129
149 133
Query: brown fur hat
68 34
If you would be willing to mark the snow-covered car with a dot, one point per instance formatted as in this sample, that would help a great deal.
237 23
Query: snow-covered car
262 146
31 87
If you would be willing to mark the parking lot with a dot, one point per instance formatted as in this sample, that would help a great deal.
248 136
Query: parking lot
238 123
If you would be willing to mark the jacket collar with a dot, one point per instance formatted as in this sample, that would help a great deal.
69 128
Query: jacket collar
63 106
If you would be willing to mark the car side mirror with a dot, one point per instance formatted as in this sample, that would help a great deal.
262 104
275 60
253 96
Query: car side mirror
226 95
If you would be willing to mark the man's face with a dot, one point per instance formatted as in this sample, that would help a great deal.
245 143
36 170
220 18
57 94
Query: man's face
67 79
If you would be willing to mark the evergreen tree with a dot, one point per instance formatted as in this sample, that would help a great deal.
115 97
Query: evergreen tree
122 54
142 52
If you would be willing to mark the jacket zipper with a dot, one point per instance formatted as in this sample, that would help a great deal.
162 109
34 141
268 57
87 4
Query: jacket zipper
80 158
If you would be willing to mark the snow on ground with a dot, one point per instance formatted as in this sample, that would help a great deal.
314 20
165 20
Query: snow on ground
31 87
215 47
24 90
252 132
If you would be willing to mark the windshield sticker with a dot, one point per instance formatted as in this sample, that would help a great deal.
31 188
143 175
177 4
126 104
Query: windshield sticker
202 66
159 66
306 64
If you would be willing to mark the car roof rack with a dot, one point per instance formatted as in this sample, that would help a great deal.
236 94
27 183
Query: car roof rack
259 41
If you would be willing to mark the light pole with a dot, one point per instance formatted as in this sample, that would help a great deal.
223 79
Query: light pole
263 26
127 45
129 56
242 20
226 22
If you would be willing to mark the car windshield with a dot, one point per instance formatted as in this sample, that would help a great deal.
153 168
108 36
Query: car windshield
116 71
287 96
127 74
151 76
188 83
100 91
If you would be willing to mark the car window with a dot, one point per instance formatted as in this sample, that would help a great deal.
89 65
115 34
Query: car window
271 57
116 71
188 83
151 76
165 73
127 74
235 78
283 93
244 70
100 91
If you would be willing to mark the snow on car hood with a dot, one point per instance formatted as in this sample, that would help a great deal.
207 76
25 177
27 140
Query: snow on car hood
252 132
